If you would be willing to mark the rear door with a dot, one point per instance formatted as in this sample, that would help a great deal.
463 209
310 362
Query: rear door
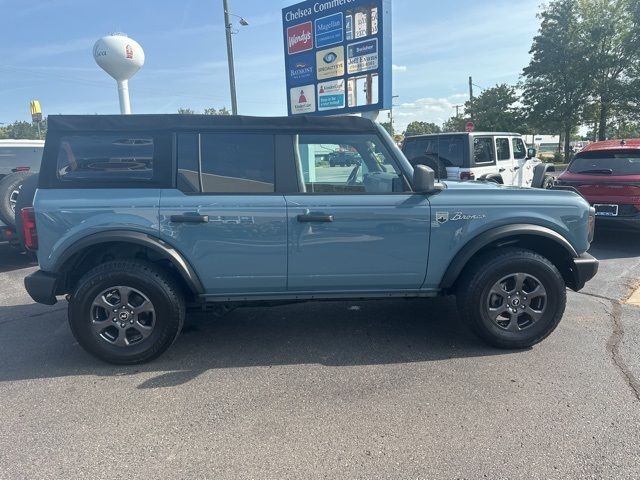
224 214
484 156
355 228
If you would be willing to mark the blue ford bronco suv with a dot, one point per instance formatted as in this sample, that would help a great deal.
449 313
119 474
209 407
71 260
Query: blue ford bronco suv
138 218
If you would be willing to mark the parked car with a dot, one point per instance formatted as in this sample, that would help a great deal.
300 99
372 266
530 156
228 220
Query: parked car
607 174
19 159
497 157
139 217
343 159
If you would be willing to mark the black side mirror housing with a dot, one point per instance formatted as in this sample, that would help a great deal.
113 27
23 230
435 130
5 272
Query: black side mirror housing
424 179
531 152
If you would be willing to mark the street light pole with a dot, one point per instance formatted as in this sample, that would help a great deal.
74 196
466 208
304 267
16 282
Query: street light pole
232 75
391 112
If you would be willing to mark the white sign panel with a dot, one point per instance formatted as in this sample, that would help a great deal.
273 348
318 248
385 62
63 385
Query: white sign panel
362 56
331 95
303 99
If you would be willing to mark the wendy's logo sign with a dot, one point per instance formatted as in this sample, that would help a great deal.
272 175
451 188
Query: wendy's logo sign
300 38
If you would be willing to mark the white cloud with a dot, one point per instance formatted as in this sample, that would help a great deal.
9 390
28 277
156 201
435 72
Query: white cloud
399 68
435 110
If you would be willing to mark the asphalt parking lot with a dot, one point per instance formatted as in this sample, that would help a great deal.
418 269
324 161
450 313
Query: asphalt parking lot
376 389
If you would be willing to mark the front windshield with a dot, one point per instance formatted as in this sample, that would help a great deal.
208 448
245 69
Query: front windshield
607 163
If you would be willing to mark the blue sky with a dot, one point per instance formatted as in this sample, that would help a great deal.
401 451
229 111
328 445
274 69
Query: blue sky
46 53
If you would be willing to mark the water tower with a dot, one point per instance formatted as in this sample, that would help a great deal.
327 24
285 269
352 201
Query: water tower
121 57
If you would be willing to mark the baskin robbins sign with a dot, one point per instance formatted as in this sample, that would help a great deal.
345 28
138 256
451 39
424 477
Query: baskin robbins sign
337 56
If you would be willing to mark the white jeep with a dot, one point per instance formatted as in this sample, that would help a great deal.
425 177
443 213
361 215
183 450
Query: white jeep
498 157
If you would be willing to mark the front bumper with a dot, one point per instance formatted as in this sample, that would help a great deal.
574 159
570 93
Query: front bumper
583 269
41 286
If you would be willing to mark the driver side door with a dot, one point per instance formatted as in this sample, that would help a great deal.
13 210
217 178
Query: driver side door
355 228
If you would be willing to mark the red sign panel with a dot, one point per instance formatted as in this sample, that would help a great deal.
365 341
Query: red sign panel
300 38
470 126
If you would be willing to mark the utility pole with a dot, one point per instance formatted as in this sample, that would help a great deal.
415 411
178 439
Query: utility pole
457 110
232 74
391 113
470 96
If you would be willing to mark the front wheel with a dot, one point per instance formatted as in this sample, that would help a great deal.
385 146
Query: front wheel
126 311
512 298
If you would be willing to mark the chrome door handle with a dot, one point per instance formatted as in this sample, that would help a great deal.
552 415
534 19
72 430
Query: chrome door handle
501 170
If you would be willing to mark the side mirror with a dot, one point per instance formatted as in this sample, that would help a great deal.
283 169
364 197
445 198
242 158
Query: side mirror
424 179
531 152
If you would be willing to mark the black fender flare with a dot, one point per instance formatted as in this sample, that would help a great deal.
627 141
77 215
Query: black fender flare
494 235
161 247
539 172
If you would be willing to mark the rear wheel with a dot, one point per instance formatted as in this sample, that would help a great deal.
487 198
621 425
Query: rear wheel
10 187
126 311
512 298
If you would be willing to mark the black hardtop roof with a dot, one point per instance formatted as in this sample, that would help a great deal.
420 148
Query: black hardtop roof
494 134
151 122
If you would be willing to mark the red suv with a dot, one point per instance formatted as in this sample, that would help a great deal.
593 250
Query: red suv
607 174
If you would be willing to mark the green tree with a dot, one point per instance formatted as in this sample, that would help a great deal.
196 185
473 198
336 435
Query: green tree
23 130
454 124
611 32
213 111
557 81
496 110
421 128
207 111
388 127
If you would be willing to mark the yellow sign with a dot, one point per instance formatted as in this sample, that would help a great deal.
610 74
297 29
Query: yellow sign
36 111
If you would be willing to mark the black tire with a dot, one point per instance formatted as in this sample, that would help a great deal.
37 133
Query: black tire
434 164
161 291
9 189
25 199
475 298
547 182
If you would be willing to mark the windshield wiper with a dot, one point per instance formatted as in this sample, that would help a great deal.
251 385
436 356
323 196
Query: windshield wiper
606 171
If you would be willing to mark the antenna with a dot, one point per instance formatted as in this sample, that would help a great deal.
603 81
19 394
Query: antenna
121 57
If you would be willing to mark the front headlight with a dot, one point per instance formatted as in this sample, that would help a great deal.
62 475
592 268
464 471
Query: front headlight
592 223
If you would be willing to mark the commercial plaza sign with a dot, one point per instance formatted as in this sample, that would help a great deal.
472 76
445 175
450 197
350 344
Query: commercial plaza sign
337 56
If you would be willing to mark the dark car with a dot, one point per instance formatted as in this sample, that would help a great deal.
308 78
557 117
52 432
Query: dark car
343 159
607 174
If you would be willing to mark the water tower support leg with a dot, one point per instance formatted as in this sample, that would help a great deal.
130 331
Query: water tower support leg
123 96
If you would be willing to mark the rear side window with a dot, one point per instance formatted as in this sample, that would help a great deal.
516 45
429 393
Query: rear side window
448 148
483 151
99 157
502 147
226 163
188 179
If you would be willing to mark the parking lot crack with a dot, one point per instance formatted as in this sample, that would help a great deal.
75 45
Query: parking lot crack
615 341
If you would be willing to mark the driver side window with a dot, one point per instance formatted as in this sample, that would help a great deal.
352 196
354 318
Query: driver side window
340 164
